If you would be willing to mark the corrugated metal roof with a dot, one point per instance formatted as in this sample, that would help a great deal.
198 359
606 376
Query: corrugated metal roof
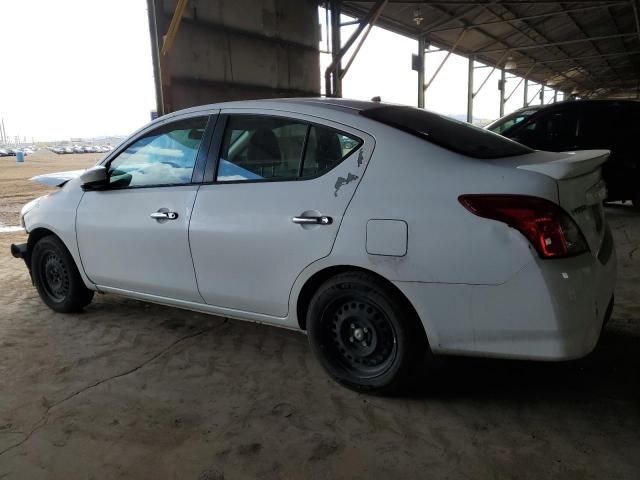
590 46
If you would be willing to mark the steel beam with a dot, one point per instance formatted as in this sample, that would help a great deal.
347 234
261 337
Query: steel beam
493 69
173 26
528 17
444 60
333 70
522 78
555 44
361 42
490 2
584 57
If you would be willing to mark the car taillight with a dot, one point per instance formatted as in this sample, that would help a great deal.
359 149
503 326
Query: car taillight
551 231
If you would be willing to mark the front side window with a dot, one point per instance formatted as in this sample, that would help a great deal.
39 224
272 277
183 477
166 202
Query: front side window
259 147
503 125
554 131
166 156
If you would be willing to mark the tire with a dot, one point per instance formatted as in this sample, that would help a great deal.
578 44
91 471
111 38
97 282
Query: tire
364 334
56 277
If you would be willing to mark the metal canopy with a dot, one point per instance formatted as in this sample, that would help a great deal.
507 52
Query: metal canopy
591 48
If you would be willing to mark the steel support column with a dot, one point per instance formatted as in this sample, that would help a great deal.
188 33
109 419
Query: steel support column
422 46
525 100
470 90
542 94
503 82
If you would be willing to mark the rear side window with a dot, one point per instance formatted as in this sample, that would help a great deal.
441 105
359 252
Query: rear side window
456 136
260 147
325 149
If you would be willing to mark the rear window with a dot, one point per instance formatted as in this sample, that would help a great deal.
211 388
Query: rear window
451 134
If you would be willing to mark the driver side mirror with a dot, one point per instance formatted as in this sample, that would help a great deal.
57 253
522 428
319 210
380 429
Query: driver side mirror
95 178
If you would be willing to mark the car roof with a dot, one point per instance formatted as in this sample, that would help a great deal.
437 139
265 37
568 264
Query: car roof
321 103
565 103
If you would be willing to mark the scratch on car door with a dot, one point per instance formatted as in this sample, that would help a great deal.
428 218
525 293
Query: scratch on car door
344 181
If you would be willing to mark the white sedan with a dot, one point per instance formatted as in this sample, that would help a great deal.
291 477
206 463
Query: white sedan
383 231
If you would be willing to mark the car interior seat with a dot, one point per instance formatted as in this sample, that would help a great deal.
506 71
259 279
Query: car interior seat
263 153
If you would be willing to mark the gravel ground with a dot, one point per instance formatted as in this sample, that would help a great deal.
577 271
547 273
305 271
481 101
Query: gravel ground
133 390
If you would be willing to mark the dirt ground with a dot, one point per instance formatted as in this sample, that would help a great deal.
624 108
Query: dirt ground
15 187
133 390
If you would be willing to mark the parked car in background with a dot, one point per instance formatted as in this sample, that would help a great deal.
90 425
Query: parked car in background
383 231
4 152
582 125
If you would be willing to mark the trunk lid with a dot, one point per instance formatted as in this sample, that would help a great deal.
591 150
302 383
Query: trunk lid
581 189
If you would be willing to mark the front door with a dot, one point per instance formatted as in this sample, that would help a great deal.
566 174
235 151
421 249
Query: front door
280 189
133 235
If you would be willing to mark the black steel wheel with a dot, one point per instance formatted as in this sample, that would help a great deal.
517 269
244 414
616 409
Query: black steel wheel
360 336
364 334
56 276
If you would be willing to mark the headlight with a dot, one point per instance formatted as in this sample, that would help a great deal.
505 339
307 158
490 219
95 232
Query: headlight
26 209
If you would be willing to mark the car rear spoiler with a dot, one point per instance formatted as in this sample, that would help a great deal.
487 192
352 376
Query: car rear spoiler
567 164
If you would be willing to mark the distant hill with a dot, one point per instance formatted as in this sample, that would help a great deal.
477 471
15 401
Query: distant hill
478 122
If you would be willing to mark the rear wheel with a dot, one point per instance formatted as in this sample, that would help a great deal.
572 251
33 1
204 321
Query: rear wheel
363 333
56 277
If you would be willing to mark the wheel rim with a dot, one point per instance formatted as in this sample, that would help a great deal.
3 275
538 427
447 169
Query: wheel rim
55 278
360 337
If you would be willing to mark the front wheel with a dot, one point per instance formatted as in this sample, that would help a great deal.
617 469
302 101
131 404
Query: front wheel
364 334
56 277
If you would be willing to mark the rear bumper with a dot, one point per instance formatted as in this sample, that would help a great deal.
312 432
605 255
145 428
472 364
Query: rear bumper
549 310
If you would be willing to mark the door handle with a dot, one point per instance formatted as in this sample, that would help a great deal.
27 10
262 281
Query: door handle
164 215
321 220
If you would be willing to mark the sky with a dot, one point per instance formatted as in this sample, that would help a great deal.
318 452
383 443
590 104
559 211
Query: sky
75 68
82 68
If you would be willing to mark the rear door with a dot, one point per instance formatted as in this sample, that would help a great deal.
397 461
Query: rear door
277 191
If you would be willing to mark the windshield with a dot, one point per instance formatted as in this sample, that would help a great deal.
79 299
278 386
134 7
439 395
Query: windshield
504 124
451 134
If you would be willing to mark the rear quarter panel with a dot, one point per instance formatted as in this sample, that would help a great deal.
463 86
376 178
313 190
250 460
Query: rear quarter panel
419 183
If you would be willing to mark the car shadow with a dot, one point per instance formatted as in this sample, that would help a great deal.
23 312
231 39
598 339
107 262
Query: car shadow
611 371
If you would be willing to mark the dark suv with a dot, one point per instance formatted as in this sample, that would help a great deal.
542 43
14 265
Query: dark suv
581 125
